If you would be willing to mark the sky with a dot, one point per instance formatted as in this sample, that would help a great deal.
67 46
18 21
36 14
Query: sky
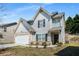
12 12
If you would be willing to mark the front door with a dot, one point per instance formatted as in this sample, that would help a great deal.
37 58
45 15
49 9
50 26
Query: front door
56 36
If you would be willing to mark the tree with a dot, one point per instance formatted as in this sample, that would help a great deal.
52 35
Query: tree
69 23
75 26
72 24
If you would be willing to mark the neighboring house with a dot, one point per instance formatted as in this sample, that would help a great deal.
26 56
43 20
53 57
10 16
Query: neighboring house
7 32
43 27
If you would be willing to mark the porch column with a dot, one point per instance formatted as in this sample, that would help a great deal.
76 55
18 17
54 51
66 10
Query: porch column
59 39
49 37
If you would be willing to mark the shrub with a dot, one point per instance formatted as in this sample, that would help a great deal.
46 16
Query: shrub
31 43
44 44
37 43
48 43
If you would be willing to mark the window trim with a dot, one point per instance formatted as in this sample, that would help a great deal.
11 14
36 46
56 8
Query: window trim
41 37
55 20
41 23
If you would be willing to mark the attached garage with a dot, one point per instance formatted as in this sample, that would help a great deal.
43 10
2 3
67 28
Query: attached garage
23 33
22 39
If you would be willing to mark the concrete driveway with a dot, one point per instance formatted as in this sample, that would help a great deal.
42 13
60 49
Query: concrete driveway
7 46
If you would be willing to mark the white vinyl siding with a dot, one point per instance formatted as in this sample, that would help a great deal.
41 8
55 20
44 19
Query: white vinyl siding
21 29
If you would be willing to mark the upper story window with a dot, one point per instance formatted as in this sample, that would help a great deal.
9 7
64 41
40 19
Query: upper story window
41 23
56 23
55 20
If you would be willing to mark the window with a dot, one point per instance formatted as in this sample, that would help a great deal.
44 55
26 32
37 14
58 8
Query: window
5 29
38 37
41 37
55 20
56 23
41 23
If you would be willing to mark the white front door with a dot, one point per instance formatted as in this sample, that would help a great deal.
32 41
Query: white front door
22 39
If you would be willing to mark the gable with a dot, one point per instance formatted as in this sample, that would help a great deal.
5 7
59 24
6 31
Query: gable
21 29
39 11
41 16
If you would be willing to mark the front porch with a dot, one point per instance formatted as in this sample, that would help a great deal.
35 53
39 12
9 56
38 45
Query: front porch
55 35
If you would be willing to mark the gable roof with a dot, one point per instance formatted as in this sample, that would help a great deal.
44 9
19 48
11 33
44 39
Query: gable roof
41 10
54 14
58 15
25 24
8 25
30 22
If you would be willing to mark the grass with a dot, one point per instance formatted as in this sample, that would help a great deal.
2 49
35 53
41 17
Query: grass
24 51
67 49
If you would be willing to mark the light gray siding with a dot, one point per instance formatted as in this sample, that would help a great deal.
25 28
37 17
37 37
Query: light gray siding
42 30
49 25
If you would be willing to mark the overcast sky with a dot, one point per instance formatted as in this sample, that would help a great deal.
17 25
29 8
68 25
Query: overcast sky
28 10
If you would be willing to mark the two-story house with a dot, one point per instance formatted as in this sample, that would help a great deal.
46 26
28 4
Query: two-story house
45 26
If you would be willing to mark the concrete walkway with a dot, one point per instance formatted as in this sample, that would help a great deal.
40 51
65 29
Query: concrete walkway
39 46
12 45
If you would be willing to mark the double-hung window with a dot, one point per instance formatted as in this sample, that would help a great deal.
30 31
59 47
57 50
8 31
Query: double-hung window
41 23
41 37
56 22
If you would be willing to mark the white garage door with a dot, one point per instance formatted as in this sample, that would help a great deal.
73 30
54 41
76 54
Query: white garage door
22 39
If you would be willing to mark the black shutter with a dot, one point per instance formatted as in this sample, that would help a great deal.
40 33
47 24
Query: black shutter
46 37
38 24
36 37
43 22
